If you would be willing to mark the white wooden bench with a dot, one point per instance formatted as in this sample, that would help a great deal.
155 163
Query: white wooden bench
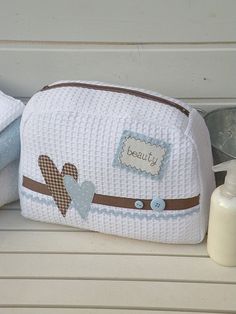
185 49
45 267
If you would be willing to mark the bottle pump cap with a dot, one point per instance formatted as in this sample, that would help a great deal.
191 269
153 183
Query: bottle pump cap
229 187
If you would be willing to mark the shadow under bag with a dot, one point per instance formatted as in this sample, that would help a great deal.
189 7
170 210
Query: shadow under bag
118 160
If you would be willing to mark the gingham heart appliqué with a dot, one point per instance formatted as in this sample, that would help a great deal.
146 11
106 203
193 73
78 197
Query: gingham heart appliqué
54 180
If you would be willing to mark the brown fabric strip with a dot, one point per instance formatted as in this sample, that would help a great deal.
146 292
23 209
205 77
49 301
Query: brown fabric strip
171 204
120 90
36 186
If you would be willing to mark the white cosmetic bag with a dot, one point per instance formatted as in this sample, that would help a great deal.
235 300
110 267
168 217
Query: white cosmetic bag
118 160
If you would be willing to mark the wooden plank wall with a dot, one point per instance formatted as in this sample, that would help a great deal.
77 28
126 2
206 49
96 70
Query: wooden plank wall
184 48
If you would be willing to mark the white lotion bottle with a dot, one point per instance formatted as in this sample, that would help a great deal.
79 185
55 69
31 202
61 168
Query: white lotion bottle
221 242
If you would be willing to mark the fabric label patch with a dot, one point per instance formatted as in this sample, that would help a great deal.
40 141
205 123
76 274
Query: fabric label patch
139 153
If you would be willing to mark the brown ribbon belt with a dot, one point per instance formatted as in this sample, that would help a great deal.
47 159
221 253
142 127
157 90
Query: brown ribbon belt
170 204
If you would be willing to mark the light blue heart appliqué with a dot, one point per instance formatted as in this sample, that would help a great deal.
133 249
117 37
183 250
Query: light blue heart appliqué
81 195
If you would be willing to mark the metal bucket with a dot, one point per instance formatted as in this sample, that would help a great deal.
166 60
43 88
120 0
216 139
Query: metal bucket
222 127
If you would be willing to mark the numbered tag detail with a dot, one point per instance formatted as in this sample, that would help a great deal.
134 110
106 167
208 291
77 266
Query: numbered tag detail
142 154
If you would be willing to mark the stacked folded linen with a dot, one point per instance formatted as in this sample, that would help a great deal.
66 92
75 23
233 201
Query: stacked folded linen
10 111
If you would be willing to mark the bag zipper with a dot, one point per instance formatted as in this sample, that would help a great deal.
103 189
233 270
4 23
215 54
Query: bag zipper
120 90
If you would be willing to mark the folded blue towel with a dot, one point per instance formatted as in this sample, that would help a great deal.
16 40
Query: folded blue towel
10 111
9 183
10 143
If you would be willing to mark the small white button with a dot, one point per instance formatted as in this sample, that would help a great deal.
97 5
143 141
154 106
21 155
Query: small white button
138 204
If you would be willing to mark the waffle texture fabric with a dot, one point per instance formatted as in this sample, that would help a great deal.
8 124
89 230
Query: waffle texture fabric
10 110
85 126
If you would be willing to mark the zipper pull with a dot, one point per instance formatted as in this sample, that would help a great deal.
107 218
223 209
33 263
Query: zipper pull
46 87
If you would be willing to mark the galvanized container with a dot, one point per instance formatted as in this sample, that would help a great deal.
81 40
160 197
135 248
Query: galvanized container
222 127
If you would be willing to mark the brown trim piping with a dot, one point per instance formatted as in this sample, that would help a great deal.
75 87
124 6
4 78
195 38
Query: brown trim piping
121 91
124 202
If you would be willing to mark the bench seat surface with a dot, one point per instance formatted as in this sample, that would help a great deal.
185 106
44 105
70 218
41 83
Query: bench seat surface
46 267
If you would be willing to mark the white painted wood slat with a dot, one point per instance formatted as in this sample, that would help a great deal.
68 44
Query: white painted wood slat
119 21
13 205
115 267
89 242
64 310
178 72
118 294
